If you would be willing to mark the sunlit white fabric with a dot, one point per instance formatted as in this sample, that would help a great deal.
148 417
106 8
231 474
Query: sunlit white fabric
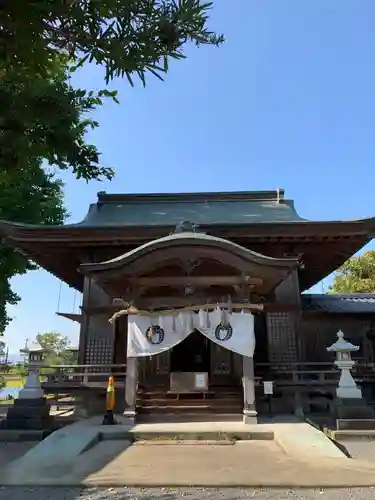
170 330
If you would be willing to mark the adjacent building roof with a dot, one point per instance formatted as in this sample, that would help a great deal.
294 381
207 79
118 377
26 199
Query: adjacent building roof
356 303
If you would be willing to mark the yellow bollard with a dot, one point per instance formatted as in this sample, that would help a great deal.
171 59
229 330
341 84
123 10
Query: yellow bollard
111 398
109 418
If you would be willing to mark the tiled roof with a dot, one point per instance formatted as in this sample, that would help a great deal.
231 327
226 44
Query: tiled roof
199 208
356 303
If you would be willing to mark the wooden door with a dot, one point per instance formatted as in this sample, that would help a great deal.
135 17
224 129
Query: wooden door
221 365
154 370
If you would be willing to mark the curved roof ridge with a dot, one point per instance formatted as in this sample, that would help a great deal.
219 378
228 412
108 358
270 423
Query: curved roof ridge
190 238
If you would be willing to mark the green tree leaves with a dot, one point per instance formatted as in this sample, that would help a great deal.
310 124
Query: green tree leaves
126 37
44 121
357 275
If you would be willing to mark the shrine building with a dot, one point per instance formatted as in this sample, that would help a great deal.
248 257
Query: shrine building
206 253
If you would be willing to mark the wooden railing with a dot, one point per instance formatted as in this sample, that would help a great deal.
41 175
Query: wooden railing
61 383
294 381
87 375
316 373
304 385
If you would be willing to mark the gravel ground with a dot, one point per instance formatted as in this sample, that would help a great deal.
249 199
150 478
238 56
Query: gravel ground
185 494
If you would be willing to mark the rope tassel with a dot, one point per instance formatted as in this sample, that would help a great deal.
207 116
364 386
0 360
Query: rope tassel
190 321
204 318
173 323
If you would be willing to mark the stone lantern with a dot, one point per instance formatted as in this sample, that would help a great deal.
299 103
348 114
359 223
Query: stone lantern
30 411
347 388
32 388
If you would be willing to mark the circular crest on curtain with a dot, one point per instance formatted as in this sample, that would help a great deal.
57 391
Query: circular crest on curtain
223 332
155 334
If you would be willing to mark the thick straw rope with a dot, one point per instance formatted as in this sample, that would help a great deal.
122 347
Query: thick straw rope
131 310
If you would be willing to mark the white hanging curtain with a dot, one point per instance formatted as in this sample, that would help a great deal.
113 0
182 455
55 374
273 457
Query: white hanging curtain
150 335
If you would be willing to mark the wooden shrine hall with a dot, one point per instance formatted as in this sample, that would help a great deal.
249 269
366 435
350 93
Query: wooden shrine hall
229 254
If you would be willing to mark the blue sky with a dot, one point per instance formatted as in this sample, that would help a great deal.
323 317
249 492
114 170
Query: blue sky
288 101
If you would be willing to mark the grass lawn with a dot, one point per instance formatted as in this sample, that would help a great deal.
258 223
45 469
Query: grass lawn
13 382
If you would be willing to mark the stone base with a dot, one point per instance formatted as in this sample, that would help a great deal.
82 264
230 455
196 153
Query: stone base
20 436
250 417
349 393
352 409
109 418
130 415
28 414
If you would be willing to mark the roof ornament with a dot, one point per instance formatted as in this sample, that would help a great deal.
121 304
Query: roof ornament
186 226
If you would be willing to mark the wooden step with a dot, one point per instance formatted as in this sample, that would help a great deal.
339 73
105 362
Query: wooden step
189 417
185 404
189 400
187 410
182 404
198 405
161 394
218 404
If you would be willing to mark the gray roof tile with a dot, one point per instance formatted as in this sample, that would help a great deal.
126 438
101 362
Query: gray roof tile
356 303
170 213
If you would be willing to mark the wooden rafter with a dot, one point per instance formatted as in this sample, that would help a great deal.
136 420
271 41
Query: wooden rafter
157 281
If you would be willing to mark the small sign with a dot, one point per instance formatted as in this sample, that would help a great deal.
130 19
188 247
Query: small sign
268 387
200 381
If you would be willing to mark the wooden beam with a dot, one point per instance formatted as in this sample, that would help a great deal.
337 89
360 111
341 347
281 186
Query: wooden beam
157 281
179 303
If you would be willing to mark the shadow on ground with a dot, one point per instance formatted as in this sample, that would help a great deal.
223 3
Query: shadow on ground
74 456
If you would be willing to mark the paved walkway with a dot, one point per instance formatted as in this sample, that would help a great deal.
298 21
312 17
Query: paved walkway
246 463
361 449
299 455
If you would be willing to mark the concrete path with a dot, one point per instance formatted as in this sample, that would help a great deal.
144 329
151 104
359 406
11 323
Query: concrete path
91 454
361 449
243 464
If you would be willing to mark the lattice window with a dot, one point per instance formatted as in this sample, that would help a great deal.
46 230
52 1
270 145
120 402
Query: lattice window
99 352
281 336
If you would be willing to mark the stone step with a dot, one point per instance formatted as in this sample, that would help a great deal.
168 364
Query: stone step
189 416
344 424
28 403
33 412
351 435
14 435
30 424
185 432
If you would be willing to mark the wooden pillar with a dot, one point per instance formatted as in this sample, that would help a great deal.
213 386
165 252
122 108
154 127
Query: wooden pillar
83 333
131 386
249 411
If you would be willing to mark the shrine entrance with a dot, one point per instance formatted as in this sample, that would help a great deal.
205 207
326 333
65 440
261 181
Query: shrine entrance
191 271
191 355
